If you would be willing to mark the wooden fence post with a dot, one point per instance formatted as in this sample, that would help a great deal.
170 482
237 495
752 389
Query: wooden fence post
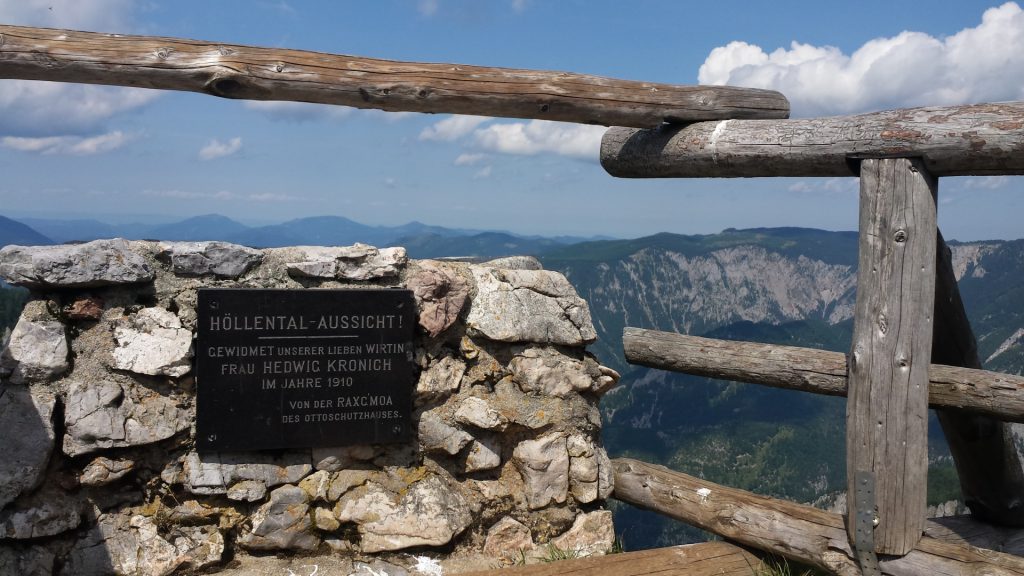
887 409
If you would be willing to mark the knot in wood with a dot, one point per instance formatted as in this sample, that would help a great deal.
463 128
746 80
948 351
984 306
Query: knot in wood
900 236
883 324
225 88
279 67
164 53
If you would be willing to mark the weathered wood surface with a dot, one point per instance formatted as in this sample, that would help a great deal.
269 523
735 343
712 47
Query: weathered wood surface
887 400
967 529
796 531
256 73
958 140
820 371
988 461
706 559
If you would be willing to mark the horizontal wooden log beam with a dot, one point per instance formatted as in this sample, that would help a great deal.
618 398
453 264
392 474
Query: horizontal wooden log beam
705 559
255 73
1000 396
796 531
982 139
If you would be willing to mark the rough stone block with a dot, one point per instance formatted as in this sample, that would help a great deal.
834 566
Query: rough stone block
220 259
108 415
544 466
153 342
27 421
96 263
528 306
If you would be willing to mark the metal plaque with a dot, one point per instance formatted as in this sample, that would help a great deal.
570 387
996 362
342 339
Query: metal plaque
303 368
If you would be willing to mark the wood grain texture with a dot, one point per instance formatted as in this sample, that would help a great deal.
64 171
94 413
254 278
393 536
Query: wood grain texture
796 531
820 371
887 401
988 461
706 559
953 141
255 73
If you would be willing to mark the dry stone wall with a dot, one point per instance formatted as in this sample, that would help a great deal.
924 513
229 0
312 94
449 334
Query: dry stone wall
98 471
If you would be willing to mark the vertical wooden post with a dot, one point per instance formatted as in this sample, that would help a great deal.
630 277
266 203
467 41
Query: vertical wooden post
887 407
987 459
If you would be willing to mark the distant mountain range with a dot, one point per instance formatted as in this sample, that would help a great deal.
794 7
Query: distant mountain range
787 286
780 285
422 240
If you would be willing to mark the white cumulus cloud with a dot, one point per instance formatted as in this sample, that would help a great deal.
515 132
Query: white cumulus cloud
36 109
452 128
468 159
71 145
541 136
217 149
983 63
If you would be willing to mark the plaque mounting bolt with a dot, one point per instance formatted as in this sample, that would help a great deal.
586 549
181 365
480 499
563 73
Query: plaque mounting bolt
214 305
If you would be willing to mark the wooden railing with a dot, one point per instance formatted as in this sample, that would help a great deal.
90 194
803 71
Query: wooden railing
908 307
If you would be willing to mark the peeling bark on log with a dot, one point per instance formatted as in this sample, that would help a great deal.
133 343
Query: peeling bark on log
988 462
706 559
256 73
796 531
953 141
994 394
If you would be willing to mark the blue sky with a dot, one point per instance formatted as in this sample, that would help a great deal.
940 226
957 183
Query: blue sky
86 151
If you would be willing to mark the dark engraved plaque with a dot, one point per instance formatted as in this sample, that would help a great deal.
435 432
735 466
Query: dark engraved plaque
303 368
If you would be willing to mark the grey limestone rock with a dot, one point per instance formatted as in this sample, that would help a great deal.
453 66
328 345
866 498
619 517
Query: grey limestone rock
605 474
583 468
477 412
323 519
507 539
440 380
152 342
96 263
431 513
549 372
335 458
483 454
283 523
544 465
437 436
47 512
28 561
344 480
356 262
131 545
102 471
440 294
247 491
591 534
528 306
38 348
215 473
26 452
107 414
220 259
317 485
515 263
